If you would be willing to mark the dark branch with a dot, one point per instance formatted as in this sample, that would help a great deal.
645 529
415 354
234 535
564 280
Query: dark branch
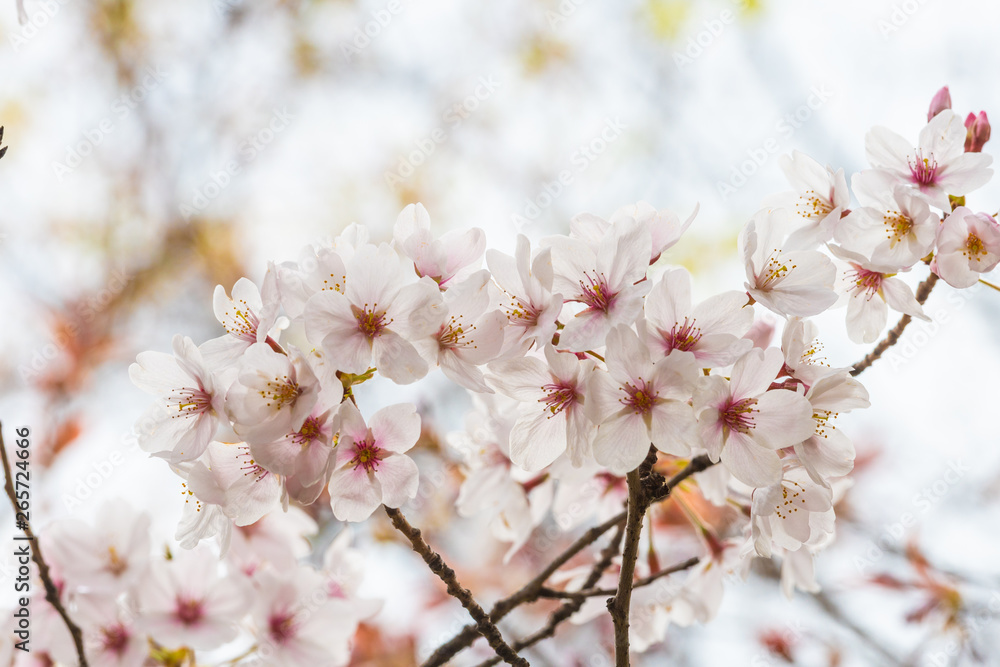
608 592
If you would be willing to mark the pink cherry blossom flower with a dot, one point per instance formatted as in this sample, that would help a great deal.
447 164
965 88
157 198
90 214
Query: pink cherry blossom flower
318 270
278 539
713 330
637 402
552 418
937 166
743 422
377 317
248 315
305 453
184 419
968 245
371 467
186 602
607 281
229 476
872 289
448 259
111 636
527 300
790 283
272 395
819 196
828 453
665 227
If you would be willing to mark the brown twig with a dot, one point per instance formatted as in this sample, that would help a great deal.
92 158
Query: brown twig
601 592
51 592
620 604
531 591
571 607
484 625
923 291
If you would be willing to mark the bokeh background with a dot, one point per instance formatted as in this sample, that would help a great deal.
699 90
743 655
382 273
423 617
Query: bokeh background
157 149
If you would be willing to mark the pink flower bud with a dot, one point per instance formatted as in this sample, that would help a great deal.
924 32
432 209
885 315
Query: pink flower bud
940 102
977 132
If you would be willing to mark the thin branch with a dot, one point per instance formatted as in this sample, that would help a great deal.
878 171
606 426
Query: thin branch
620 604
531 591
571 607
484 625
923 291
608 592
51 592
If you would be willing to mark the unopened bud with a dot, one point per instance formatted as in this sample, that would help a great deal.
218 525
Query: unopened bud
977 132
940 102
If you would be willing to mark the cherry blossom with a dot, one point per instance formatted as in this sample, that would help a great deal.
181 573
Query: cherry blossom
968 245
790 513
248 315
637 402
528 301
449 259
552 418
371 467
713 330
184 419
374 321
937 166
820 196
743 422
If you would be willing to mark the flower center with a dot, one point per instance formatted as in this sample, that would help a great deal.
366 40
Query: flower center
682 336
867 281
923 169
251 466
775 270
189 611
558 397
281 627
792 494
310 431
824 420
453 334
974 246
738 415
367 455
371 321
640 397
897 227
242 322
280 392
116 564
812 205
595 293
190 402
114 638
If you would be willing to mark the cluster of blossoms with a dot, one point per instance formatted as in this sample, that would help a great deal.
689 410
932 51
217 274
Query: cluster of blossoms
135 602
586 356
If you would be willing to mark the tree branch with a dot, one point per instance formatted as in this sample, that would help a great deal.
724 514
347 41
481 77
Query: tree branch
484 625
600 592
569 608
531 591
923 291
620 604
51 592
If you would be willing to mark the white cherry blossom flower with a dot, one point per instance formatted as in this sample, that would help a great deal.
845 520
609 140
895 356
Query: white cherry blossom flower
828 453
819 196
552 418
184 419
249 316
871 290
371 466
937 166
448 259
790 283
665 227
713 330
374 321
527 299
637 402
790 513
607 281
743 422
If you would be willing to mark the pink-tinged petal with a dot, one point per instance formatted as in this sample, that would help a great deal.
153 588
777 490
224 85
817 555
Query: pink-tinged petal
352 424
669 301
603 395
354 494
626 254
399 478
725 314
396 428
966 173
943 137
749 462
866 317
888 150
158 373
397 359
586 331
538 438
954 270
754 372
826 457
672 428
418 310
462 373
782 418
622 442
627 357
580 432
900 297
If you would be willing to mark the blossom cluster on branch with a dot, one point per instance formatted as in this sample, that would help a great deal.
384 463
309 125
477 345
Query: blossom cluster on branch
590 366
